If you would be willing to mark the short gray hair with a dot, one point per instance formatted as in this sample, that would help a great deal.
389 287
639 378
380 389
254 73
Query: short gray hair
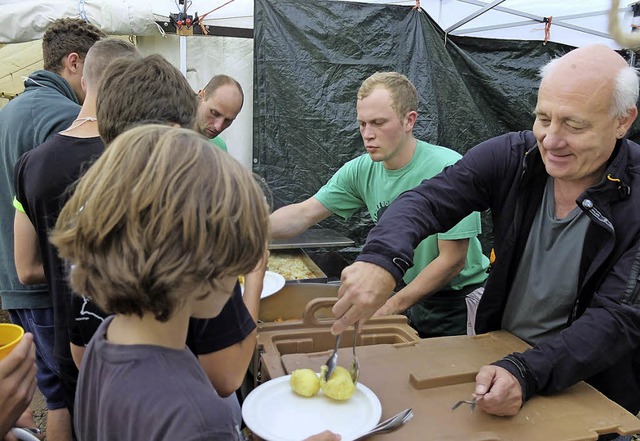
625 92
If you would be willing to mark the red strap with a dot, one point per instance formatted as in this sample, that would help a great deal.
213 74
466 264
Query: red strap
547 29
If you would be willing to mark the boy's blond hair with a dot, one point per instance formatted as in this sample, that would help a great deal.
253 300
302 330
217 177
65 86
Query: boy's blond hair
404 97
161 217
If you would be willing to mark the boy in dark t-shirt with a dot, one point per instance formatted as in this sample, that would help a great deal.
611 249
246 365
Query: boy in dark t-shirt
192 220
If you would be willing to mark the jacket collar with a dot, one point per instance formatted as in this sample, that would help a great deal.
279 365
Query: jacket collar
47 79
614 185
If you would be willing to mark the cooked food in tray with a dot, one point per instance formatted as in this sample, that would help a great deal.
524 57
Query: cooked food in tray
293 265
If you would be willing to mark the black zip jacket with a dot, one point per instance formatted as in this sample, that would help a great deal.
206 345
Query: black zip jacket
601 343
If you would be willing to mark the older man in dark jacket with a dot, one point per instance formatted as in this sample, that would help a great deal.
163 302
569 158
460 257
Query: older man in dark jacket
565 200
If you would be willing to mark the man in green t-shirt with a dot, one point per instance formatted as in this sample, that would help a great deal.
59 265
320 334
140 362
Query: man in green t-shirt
448 266
218 106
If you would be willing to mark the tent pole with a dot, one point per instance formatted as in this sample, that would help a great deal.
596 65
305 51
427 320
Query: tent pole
479 12
635 22
183 55
183 40
557 21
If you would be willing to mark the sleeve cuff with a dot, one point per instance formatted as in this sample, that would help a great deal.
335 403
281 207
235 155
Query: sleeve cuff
396 266
518 369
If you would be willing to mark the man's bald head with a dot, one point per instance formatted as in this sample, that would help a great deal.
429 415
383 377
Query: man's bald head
597 68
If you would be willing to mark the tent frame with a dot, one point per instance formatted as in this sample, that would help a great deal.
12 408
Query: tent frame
557 21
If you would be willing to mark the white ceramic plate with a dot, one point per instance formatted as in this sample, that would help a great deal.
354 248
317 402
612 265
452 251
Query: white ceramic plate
275 413
272 283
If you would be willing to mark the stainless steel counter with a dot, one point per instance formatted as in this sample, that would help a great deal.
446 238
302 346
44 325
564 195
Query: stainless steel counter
313 238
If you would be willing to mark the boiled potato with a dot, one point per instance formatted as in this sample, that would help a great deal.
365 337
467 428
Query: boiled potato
340 386
304 382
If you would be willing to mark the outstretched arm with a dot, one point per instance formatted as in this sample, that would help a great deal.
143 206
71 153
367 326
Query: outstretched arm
437 274
291 220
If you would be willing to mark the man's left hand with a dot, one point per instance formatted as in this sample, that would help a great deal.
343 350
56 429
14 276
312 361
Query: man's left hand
497 391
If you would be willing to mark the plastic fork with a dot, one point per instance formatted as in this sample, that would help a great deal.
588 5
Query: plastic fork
355 365
332 361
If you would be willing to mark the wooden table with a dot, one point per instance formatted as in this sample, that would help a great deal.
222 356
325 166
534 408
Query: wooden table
432 374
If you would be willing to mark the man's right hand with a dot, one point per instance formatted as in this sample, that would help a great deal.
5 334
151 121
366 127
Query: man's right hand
17 382
365 288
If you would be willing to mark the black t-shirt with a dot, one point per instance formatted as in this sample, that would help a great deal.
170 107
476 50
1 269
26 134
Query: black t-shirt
231 326
42 179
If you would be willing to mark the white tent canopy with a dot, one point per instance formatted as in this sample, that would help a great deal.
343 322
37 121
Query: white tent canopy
573 22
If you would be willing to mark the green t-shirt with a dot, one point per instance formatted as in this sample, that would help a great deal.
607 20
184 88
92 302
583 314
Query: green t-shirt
364 183
219 142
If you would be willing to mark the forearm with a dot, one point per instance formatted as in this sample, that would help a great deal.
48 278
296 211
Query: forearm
435 276
431 279
286 222
294 219
252 291
227 368
26 251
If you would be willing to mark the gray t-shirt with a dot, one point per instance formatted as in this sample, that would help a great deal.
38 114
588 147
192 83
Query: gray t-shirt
145 392
546 283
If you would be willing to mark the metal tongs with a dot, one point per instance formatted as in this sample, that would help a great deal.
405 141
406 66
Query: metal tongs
332 361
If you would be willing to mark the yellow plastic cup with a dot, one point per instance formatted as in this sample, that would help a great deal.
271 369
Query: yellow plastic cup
10 335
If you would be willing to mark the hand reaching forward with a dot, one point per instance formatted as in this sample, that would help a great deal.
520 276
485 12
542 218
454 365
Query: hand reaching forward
365 287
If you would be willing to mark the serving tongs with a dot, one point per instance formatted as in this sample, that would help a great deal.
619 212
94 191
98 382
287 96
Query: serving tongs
332 361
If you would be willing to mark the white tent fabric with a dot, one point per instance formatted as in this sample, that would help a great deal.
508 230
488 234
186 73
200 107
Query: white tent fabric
206 57
574 22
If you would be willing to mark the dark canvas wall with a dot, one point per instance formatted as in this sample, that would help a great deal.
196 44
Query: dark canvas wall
311 56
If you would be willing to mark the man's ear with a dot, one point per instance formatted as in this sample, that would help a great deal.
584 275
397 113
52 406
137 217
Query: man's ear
625 122
73 63
410 119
